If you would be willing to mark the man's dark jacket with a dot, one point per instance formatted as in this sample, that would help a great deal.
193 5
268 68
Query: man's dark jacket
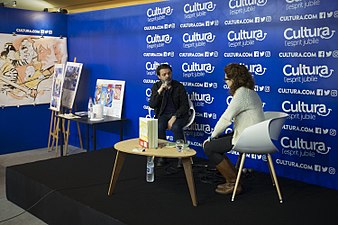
179 95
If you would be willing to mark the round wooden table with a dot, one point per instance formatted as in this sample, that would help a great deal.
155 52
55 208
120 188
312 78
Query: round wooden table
164 150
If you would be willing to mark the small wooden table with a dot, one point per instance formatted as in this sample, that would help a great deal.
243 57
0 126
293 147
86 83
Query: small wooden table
127 146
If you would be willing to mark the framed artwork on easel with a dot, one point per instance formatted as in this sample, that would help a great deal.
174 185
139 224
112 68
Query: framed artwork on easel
58 78
70 84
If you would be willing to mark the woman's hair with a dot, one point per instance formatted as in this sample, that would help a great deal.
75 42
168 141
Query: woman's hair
240 77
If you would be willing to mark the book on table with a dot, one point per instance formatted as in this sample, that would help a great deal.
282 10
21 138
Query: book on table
148 132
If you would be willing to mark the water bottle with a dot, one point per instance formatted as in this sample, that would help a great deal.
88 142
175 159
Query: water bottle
150 169
179 145
90 108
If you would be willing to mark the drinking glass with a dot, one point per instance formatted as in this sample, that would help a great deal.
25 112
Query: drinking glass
179 145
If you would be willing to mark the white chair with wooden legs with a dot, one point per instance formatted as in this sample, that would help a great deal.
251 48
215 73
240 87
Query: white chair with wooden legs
192 114
257 139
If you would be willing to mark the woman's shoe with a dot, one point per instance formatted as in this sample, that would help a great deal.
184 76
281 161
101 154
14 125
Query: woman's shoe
228 188
220 186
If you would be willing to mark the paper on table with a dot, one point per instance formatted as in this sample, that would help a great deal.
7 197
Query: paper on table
82 113
138 149
173 144
68 116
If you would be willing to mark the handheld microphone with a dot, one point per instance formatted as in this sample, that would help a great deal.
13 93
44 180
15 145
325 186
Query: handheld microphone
165 83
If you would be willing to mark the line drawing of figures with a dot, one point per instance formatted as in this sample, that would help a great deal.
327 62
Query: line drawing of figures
26 67
9 74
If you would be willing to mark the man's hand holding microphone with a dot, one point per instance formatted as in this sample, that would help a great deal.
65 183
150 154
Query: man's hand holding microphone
165 86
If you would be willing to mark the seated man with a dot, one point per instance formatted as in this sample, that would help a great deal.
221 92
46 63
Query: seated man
170 103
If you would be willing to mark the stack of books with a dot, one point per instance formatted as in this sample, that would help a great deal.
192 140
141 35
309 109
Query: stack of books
148 132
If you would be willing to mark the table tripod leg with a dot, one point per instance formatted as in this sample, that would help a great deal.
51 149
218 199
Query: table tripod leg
80 136
121 131
88 147
190 179
119 160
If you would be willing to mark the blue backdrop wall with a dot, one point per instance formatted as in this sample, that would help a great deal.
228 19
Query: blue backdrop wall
26 127
289 46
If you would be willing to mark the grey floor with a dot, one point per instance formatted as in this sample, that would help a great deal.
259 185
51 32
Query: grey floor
7 208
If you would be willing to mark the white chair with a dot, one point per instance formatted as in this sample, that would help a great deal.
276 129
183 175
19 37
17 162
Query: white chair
192 114
257 139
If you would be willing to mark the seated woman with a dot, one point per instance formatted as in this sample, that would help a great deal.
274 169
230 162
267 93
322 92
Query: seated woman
245 109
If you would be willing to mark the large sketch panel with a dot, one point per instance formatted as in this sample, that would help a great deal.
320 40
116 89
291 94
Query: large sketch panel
27 67
71 81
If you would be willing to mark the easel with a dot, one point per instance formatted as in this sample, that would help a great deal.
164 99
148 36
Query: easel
55 128
53 132
66 130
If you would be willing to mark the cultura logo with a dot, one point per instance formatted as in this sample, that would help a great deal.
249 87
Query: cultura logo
199 54
194 143
256 69
192 84
305 32
207 37
300 143
294 91
234 4
207 98
165 38
160 27
228 99
306 70
148 92
292 1
302 107
196 67
257 35
201 127
298 54
310 16
159 54
149 81
167 11
198 7
200 84
151 66
300 128
150 111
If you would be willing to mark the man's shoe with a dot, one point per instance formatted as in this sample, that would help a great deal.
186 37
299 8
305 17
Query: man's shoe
161 162
179 163
228 188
